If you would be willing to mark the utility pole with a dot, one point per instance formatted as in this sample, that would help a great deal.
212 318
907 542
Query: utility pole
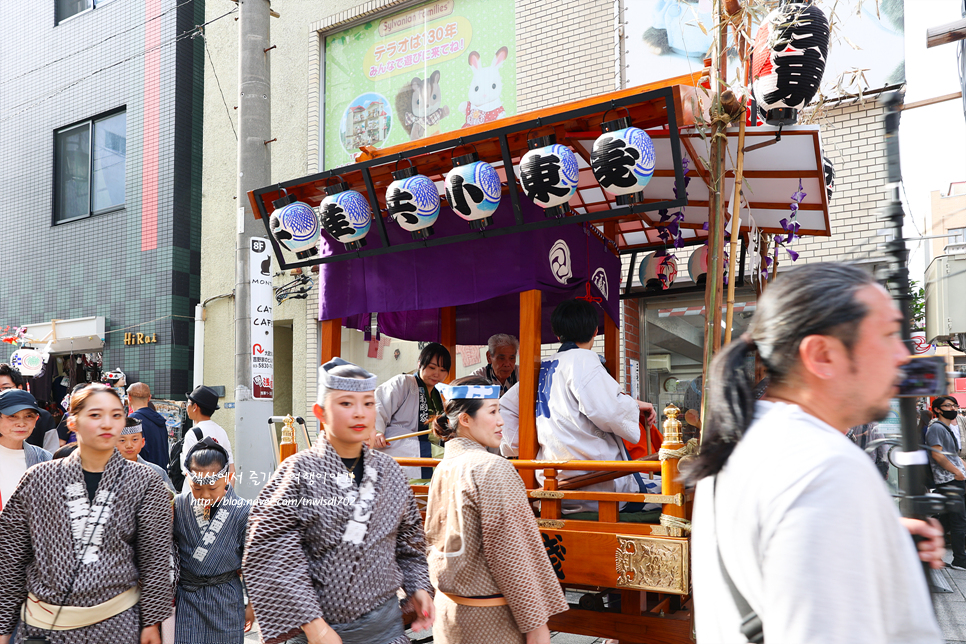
252 439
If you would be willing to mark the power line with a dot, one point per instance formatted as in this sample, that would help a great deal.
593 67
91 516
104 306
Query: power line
93 45
188 34
218 82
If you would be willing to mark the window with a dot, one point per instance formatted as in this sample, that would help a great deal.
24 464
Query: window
68 8
89 169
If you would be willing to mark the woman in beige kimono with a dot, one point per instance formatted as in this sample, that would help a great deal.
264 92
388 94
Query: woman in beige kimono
486 558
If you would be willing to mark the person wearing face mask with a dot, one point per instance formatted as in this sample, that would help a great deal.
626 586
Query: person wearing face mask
407 404
948 471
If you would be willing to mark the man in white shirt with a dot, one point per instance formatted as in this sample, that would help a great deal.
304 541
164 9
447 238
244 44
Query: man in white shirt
18 416
792 520
202 404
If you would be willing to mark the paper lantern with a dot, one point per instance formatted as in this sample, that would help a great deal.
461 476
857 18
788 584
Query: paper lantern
29 362
698 265
658 271
295 226
473 190
623 160
413 201
829 175
346 215
791 49
548 174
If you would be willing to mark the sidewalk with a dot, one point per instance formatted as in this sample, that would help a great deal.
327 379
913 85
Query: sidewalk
951 607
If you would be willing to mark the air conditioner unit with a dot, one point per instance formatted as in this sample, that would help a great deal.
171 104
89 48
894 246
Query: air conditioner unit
659 362
945 300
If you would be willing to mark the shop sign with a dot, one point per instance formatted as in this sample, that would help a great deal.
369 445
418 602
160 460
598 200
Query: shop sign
140 338
261 297
433 68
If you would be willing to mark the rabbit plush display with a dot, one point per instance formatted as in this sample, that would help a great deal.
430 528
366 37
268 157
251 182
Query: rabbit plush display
420 103
485 104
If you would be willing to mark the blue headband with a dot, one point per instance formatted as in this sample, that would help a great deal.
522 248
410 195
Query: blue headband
462 392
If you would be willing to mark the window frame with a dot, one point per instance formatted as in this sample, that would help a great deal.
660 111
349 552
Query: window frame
94 5
90 123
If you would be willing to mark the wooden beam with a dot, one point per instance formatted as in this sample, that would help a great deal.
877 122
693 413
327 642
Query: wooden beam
331 340
530 323
447 324
932 101
947 33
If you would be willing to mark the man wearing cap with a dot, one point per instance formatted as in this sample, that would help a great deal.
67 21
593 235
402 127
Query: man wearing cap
18 416
130 444
155 429
202 404
45 432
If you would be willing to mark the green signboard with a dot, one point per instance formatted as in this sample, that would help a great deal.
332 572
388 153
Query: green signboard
434 68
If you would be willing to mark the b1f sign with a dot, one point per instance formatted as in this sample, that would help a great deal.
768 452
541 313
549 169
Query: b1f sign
262 322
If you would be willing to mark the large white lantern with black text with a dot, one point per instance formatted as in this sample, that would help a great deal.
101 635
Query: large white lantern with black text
549 174
829 170
623 160
295 226
413 201
788 62
346 215
473 190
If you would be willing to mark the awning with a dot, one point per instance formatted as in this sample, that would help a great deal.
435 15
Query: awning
79 335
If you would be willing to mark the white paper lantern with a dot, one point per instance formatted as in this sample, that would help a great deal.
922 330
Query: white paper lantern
549 174
698 264
658 271
346 215
413 201
829 170
473 190
295 226
29 362
623 160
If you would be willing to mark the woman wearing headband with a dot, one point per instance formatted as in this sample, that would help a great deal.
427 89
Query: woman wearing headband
336 532
209 529
486 557
85 541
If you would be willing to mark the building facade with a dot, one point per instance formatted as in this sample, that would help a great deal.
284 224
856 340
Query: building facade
334 62
100 132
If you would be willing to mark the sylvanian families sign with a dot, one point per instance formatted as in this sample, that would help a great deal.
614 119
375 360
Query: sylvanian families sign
433 68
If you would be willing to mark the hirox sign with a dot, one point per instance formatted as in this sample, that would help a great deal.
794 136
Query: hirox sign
140 338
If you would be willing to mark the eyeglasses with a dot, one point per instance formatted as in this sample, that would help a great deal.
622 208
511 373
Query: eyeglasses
949 407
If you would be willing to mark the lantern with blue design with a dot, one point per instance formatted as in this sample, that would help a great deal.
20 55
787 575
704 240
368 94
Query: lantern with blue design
623 160
413 201
473 190
548 175
295 226
658 271
346 215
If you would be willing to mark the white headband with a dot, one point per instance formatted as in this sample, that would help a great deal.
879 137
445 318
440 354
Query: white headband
208 479
133 429
339 383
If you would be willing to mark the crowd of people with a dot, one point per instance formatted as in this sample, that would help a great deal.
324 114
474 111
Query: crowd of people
792 524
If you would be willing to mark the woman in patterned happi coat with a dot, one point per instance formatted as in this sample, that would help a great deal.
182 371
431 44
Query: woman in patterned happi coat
494 580
336 532
85 541
209 529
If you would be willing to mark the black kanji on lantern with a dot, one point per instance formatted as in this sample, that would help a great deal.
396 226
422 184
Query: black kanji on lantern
456 197
541 176
612 161
556 552
335 222
400 203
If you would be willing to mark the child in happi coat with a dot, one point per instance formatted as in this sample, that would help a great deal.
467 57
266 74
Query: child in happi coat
85 541
486 557
209 529
336 532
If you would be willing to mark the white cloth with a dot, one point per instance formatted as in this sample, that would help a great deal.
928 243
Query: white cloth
13 463
208 428
397 413
582 414
810 537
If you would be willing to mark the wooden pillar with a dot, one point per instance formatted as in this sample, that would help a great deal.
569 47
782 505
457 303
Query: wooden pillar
530 323
447 325
612 348
331 339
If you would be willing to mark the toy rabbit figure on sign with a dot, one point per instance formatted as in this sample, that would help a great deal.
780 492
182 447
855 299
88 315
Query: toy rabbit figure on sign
485 103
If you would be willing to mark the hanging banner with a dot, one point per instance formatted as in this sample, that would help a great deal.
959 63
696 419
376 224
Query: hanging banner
433 68
262 322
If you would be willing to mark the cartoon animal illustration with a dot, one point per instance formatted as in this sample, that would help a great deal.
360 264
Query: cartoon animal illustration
485 104
420 104
675 28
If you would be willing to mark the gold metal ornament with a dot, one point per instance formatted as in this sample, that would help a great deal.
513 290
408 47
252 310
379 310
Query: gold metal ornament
672 426
647 563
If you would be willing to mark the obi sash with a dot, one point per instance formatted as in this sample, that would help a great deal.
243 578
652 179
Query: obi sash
51 617
380 625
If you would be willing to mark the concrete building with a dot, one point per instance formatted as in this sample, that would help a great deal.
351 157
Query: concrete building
100 154
547 69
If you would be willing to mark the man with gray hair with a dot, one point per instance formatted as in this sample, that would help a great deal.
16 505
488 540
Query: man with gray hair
501 358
